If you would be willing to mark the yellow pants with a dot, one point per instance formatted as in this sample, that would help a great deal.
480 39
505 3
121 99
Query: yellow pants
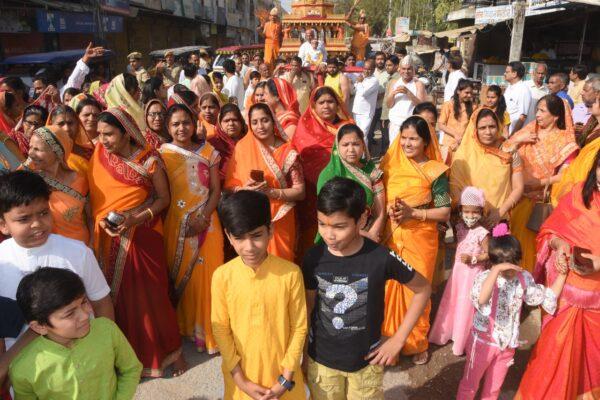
331 384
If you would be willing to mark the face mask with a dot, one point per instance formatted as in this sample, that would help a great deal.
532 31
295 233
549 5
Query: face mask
471 221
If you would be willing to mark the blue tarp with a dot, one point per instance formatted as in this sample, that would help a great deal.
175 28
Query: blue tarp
53 57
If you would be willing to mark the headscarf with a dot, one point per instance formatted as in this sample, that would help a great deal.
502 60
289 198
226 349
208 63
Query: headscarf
338 167
405 178
177 99
58 140
128 122
98 90
210 128
77 99
154 139
117 96
224 144
287 95
472 157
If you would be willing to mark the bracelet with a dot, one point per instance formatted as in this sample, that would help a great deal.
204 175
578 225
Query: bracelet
149 211
474 260
424 217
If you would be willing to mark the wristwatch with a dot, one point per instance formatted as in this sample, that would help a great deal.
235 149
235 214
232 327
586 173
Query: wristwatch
288 385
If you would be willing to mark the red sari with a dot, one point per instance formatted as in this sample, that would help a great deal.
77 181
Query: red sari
134 263
225 145
566 359
313 140
287 96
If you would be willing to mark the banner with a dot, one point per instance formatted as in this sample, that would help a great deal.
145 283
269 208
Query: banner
402 25
68 22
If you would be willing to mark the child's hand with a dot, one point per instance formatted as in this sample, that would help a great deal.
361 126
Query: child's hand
507 267
385 354
562 268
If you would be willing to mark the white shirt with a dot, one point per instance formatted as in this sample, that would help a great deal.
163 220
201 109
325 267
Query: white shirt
306 49
452 83
518 101
537 93
365 97
57 252
76 78
234 87
403 106
508 310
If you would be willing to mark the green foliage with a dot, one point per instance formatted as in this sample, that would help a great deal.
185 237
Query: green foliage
424 14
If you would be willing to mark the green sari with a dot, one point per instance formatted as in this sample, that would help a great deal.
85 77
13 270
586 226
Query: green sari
368 176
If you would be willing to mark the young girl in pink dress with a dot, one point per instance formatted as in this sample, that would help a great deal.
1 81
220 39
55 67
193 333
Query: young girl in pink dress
455 314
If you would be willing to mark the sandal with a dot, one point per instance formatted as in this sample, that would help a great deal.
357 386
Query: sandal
421 358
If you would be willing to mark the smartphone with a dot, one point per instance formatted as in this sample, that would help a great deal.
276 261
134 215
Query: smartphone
257 175
580 262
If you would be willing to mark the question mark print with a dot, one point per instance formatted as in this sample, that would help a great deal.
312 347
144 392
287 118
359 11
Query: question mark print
347 301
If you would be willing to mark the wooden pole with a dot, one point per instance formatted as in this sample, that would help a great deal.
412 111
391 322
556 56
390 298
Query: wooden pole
581 43
516 41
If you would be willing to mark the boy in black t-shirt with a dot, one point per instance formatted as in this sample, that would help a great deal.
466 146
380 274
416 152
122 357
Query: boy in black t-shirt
345 288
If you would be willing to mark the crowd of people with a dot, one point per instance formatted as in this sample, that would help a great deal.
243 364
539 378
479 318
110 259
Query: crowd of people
177 202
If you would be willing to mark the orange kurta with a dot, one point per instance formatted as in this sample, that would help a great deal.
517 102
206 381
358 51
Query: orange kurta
272 32
448 145
415 241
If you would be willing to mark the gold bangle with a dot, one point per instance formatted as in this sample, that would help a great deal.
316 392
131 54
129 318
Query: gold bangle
149 211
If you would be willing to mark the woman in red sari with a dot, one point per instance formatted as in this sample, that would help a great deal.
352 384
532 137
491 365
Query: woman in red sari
280 95
155 134
314 139
127 176
566 359
231 128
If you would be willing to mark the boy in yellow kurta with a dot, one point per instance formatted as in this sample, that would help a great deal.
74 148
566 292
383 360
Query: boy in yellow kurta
258 307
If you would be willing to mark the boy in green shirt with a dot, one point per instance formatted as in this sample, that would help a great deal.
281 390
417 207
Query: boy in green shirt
74 357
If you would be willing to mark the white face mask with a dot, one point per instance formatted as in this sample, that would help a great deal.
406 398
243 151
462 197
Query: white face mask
470 221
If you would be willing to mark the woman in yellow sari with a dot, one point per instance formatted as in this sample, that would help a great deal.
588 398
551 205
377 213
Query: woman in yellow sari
265 161
480 150
546 147
124 91
193 237
49 151
127 177
416 188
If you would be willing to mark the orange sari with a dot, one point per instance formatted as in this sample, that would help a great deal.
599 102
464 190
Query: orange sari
211 129
277 166
134 263
564 363
272 32
415 241
541 160
447 118
360 40
313 140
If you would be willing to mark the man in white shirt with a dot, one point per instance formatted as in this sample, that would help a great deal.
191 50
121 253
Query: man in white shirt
234 88
81 69
455 74
403 96
381 76
537 88
365 98
25 216
305 47
517 95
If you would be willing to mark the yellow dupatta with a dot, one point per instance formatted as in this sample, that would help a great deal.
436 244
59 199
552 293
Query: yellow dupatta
414 240
485 167
117 96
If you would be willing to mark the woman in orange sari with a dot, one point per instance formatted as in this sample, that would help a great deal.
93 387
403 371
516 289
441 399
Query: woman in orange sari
193 236
566 359
314 139
417 194
266 149
454 118
546 148
154 113
127 177
209 112
49 151
281 97
87 109
65 118
231 128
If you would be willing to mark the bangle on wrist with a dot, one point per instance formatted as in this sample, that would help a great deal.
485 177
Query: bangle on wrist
149 211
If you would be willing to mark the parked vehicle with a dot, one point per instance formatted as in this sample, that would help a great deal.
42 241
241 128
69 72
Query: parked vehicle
225 53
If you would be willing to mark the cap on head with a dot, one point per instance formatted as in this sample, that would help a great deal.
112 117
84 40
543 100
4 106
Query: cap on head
169 53
136 55
472 196
274 11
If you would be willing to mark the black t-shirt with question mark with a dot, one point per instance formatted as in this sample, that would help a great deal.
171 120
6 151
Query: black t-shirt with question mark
346 321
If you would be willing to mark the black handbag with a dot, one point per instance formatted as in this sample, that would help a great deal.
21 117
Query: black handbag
541 211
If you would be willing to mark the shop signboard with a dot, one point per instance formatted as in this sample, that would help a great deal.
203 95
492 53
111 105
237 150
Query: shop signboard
493 15
115 6
402 25
68 22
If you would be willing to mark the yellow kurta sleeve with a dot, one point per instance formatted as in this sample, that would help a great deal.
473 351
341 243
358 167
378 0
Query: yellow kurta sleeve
221 323
298 323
